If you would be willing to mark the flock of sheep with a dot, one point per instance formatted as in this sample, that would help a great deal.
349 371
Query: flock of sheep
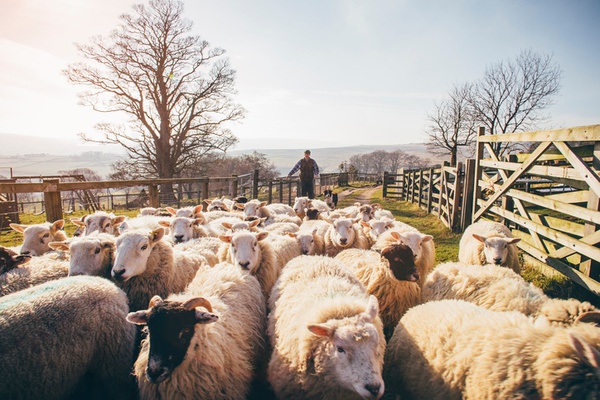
246 299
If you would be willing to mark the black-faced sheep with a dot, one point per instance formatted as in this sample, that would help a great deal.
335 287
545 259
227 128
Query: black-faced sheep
326 334
344 233
421 245
390 276
452 349
489 242
206 342
145 266
36 237
499 289
67 339
10 259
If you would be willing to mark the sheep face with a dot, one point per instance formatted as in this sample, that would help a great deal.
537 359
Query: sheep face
401 261
217 205
300 204
366 212
251 208
349 352
245 251
10 259
91 255
103 222
343 233
495 248
414 240
312 213
182 228
132 251
36 237
377 226
171 326
306 240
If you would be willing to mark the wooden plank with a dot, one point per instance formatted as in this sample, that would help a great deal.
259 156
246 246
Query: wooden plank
537 170
571 273
580 196
559 237
510 181
586 173
568 209
590 133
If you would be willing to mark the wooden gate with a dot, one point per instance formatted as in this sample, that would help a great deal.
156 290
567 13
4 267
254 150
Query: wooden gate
549 197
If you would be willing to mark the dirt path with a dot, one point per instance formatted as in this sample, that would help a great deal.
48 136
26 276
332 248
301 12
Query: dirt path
364 195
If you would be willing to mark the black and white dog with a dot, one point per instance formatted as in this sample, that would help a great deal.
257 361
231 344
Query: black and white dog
330 198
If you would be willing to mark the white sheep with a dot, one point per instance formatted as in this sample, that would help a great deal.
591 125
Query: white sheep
344 233
38 270
89 255
189 212
256 208
253 254
489 242
205 246
285 247
391 276
203 343
311 243
379 212
182 229
145 266
499 289
452 349
220 204
301 204
36 237
326 334
282 228
375 227
148 222
421 245
100 221
67 339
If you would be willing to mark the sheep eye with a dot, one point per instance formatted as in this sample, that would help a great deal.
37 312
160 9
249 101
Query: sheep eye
396 259
341 350
46 235
144 247
97 250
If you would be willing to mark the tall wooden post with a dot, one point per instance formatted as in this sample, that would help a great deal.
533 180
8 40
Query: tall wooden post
255 184
467 201
478 171
385 184
52 202
233 186
592 267
153 196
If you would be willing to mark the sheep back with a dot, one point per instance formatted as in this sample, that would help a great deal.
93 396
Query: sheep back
66 339
38 270
471 250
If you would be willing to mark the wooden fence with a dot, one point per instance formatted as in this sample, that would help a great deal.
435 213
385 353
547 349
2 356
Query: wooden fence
549 197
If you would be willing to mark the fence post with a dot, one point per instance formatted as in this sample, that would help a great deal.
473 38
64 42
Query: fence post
420 187
52 201
590 267
152 196
204 186
457 195
478 171
270 195
430 191
233 186
281 191
467 203
385 179
255 184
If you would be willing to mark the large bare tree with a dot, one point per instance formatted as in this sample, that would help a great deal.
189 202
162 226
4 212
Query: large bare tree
512 94
176 89
451 124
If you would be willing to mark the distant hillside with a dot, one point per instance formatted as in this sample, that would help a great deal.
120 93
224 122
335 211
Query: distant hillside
29 155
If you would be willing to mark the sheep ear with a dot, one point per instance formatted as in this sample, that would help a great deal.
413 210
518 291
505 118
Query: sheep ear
291 234
78 222
587 353
480 238
372 309
203 317
64 246
321 330
18 227
198 208
21 259
262 204
138 317
426 238
226 225
57 225
262 235
157 234
395 235
118 220
171 210
164 223
513 240
365 224
239 206
254 223
155 301
225 238
592 317
200 219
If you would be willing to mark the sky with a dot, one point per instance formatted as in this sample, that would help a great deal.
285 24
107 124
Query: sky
312 73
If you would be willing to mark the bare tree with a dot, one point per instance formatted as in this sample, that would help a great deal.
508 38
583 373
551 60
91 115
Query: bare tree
511 94
451 124
175 87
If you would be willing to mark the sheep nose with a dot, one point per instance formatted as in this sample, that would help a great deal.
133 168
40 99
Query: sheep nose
373 389
343 241
178 238
244 265
25 253
497 261
156 375
416 277
118 274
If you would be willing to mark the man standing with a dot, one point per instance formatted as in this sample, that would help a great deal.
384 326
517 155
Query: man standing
309 170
